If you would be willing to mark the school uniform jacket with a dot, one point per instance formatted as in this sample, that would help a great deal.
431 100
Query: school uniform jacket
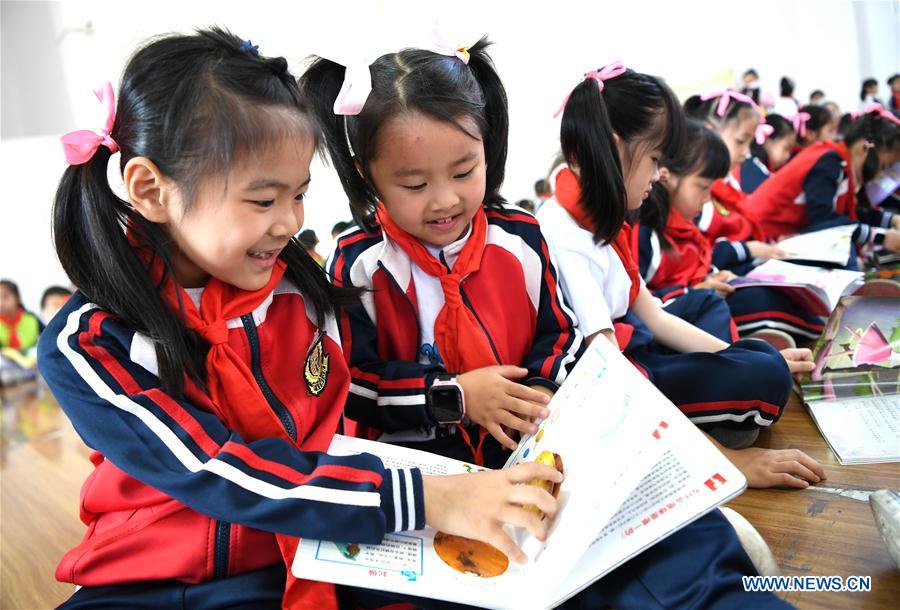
726 217
514 295
814 190
689 259
174 492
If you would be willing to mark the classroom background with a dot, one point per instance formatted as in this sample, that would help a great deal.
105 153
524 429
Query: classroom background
55 53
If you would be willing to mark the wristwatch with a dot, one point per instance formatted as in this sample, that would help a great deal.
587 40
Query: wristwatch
445 400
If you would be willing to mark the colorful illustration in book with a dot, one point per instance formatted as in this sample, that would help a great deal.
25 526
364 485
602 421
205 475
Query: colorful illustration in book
859 352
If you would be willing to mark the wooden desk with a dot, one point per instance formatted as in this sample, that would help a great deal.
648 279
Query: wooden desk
43 464
815 533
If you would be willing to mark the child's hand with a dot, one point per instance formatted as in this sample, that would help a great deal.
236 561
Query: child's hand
760 249
892 240
776 467
718 281
799 360
494 401
477 505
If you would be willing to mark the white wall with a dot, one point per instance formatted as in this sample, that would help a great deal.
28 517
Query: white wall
541 50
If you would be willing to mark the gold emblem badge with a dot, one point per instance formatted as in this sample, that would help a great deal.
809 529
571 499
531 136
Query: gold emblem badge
721 208
315 371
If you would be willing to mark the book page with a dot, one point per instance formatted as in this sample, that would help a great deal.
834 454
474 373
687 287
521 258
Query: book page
860 430
833 282
828 245
690 478
610 425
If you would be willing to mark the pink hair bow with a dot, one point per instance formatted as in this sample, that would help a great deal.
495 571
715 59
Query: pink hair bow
725 96
763 130
799 121
616 68
879 109
441 45
79 146
355 89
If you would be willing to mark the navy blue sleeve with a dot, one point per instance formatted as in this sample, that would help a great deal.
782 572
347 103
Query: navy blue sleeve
820 189
164 440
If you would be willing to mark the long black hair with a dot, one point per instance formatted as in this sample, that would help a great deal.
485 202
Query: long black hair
191 104
704 153
412 80
781 127
881 131
643 111
819 117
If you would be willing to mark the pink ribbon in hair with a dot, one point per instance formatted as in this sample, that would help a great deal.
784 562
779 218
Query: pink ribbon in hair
879 109
763 130
725 96
799 121
79 146
616 68
441 44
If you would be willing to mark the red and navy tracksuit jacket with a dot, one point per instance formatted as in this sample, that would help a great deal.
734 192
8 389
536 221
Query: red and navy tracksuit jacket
177 495
726 216
514 295
669 272
814 190
754 171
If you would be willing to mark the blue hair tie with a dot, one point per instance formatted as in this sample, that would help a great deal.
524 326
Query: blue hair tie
248 47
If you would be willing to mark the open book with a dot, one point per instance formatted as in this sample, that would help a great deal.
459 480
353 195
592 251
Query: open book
636 471
852 394
831 246
815 289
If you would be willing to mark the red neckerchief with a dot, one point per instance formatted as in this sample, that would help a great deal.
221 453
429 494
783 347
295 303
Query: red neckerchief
460 340
732 199
11 324
850 202
235 394
568 194
695 260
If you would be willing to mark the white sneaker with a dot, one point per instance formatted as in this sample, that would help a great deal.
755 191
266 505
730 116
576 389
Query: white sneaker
753 543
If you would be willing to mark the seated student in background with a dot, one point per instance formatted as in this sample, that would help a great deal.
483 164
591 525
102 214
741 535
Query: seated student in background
817 96
737 120
813 124
543 191
817 189
671 252
769 156
868 94
465 294
339 227
786 104
52 300
458 288
894 95
616 125
19 329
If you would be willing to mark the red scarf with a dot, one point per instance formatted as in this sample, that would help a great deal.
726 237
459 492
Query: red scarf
568 194
847 203
733 200
460 340
12 323
693 250
236 396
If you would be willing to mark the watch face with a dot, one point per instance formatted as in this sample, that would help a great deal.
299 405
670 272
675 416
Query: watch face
446 404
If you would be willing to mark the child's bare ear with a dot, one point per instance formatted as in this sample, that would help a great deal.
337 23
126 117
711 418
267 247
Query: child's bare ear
148 190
